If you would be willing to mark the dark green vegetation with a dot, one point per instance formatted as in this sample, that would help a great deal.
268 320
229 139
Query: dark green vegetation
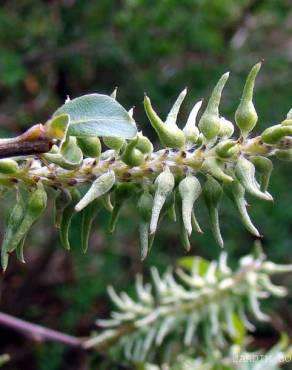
51 49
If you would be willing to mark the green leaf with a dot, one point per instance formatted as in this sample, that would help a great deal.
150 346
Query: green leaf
98 115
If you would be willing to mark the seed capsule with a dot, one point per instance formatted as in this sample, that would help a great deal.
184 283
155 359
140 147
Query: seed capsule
132 156
227 148
287 122
226 128
169 134
8 166
236 192
246 116
34 208
114 142
265 167
245 173
90 146
62 200
190 130
12 224
284 155
67 216
144 144
99 187
189 190
122 193
209 123
88 216
273 134
145 205
212 192
183 233
164 185
213 166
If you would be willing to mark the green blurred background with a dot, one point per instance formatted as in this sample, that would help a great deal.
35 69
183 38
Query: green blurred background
51 49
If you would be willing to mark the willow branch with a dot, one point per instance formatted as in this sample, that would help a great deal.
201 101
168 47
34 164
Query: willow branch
38 332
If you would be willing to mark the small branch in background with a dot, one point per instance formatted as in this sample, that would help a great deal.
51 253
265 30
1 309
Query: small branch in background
39 333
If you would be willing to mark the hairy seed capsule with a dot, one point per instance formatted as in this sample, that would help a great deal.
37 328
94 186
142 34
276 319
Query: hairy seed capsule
226 128
213 166
265 167
8 166
273 134
189 190
209 123
236 193
164 185
66 218
62 200
245 173
88 216
284 154
169 134
99 187
132 156
212 192
190 130
246 116
227 148
12 224
90 146
114 142
144 144
145 205
122 193
34 208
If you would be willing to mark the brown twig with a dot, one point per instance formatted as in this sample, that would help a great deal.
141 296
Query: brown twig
32 141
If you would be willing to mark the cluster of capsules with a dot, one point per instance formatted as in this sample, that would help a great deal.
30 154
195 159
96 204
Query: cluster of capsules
200 159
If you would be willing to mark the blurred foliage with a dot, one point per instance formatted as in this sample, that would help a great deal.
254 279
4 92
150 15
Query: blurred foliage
53 48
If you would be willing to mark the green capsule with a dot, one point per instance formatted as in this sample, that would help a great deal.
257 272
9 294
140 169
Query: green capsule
164 185
189 189
99 187
227 148
132 156
226 128
245 173
35 206
12 224
273 134
209 123
114 142
122 193
67 216
90 146
212 192
287 122
236 193
284 154
214 167
8 166
190 130
63 199
183 232
144 144
169 134
145 205
88 216
265 167
246 116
